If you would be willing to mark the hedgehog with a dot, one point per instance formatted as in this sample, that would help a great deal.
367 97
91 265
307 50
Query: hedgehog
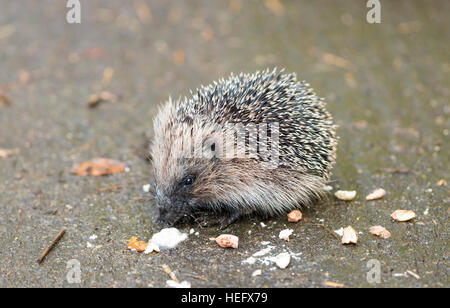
251 144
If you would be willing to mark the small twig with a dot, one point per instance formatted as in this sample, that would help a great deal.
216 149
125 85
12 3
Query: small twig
19 214
52 244
198 277
110 188
327 229
411 273
169 272
393 170
81 147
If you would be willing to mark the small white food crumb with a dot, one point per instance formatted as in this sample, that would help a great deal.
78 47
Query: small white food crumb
284 234
89 245
339 231
249 260
346 195
93 237
283 260
263 224
146 188
197 234
262 252
173 284
265 243
256 273
165 239
150 248
192 231
328 188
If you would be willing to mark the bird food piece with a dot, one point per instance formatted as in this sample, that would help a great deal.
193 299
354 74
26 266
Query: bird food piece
227 240
403 215
349 236
4 153
294 216
282 260
346 195
380 231
284 234
376 194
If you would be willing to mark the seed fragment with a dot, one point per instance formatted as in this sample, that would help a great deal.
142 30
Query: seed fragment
349 236
227 240
346 195
380 231
376 194
294 216
403 215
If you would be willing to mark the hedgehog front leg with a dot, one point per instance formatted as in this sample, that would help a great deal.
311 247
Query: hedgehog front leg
229 219
209 219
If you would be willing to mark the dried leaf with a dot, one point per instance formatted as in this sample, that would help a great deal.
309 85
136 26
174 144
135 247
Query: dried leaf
108 74
294 216
376 194
143 12
104 96
380 231
4 100
337 61
403 215
275 6
349 236
98 167
139 246
178 57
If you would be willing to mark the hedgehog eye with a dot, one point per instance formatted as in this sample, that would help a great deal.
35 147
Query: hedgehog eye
189 180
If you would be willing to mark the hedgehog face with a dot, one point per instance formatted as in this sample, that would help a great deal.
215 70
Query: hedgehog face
175 203
187 194
180 172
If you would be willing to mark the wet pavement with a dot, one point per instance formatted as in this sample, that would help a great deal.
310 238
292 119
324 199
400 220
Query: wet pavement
387 86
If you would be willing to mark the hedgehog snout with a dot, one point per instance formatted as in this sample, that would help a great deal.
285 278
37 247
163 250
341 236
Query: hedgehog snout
170 211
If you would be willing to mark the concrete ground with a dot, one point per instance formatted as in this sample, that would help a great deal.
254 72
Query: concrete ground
387 86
